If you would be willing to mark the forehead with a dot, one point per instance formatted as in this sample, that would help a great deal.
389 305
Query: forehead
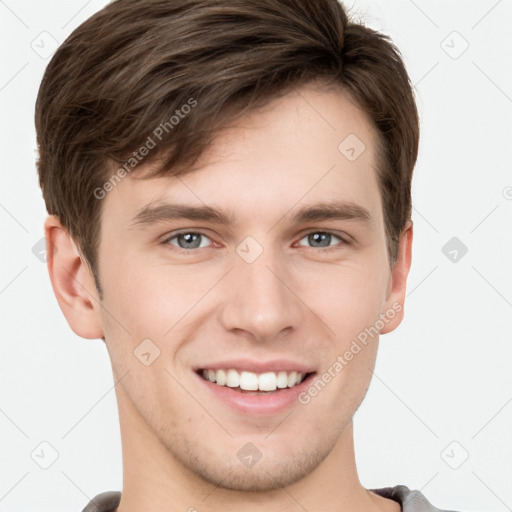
311 145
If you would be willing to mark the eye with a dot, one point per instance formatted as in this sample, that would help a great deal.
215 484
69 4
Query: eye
323 239
187 240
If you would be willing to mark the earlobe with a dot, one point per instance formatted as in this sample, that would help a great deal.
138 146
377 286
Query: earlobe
71 281
394 305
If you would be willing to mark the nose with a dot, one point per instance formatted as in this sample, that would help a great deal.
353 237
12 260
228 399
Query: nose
259 298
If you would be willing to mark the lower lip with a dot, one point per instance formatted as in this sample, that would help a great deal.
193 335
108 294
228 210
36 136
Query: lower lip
257 405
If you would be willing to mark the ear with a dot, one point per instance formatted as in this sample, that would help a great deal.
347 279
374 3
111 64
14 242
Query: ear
395 296
72 281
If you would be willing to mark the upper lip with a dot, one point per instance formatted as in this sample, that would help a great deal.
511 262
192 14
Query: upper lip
251 365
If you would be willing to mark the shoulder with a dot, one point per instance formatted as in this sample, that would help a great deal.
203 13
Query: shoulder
104 502
410 500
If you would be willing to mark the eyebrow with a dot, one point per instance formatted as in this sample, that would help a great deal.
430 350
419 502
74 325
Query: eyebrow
158 212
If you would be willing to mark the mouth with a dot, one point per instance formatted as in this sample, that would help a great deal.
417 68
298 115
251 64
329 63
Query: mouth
252 383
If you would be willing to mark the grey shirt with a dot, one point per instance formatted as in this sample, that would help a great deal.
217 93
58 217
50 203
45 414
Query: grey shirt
410 500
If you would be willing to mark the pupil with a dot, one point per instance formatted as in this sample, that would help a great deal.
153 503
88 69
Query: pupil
321 235
189 236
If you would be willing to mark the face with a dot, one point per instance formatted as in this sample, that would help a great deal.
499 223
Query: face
195 309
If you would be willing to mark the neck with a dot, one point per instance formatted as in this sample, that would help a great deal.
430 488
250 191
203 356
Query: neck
153 479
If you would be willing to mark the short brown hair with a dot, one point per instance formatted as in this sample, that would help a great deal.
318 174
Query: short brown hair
128 68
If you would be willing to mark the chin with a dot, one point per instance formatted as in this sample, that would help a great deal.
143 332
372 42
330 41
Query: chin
271 472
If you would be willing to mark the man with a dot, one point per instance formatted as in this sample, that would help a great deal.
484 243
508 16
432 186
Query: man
228 184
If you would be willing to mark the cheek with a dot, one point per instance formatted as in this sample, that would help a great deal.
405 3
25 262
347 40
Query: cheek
149 298
347 297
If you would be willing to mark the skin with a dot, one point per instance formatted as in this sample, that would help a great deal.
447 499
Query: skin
295 301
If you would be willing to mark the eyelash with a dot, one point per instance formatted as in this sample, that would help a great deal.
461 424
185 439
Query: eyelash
344 241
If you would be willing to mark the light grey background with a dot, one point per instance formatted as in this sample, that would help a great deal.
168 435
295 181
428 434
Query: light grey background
442 388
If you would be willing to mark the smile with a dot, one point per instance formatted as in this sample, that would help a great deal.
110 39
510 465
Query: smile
251 381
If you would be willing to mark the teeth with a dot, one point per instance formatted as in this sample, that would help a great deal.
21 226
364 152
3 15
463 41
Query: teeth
250 381
221 377
282 380
232 379
267 381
